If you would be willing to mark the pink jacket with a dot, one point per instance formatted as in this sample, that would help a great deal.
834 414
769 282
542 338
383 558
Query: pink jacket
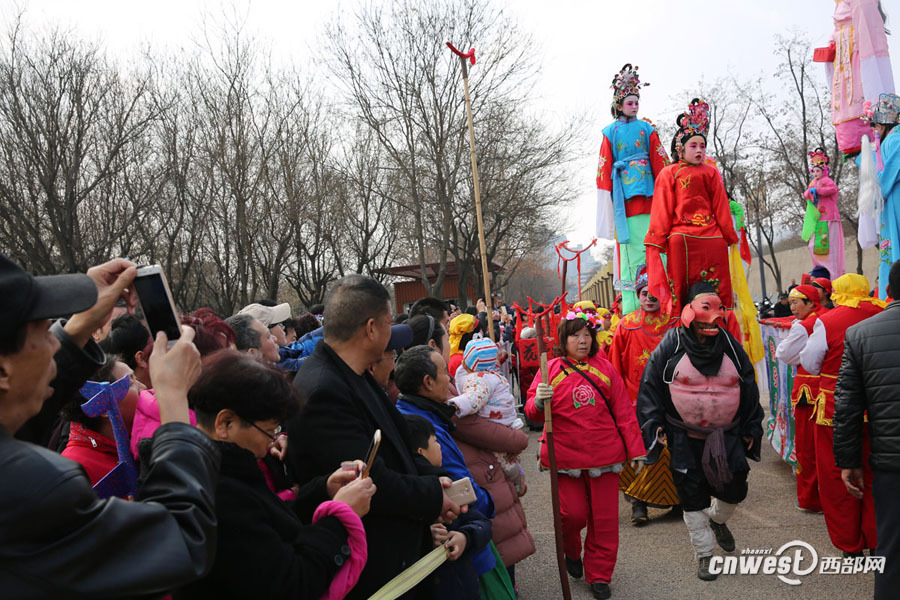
147 420
827 194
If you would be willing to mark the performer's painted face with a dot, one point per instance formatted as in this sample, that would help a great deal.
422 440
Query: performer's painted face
630 106
704 315
694 151
817 173
648 302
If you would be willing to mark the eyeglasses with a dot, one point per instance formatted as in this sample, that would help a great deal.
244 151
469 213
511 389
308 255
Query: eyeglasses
271 436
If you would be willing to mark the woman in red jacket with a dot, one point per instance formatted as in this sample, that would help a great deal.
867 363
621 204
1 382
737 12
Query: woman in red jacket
595 432
91 442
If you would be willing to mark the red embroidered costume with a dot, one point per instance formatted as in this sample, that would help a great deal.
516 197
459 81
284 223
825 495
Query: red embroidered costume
690 221
591 446
635 338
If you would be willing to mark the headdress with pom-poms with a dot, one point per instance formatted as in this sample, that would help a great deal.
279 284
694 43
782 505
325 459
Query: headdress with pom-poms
693 121
887 111
818 158
625 83
868 112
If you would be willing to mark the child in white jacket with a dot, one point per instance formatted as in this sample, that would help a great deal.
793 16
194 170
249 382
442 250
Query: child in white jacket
491 400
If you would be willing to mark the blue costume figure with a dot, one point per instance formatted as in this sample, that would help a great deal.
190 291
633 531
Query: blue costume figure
886 117
631 156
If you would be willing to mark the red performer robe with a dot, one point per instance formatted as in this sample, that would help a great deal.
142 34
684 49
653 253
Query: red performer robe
636 336
850 522
635 339
691 223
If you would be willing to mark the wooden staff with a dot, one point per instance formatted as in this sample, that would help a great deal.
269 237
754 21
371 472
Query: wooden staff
486 275
565 268
551 456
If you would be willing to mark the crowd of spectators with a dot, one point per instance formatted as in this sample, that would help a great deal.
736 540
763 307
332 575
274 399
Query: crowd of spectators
229 463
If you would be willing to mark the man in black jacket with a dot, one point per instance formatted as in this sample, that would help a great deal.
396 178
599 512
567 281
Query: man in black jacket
344 407
57 539
699 393
869 382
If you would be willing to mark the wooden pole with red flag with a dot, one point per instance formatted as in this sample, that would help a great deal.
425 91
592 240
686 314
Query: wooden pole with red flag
486 274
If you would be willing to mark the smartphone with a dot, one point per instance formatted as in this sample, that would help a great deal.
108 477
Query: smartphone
156 302
373 450
462 492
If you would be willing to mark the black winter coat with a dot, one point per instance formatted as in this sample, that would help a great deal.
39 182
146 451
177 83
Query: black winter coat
58 540
655 402
869 381
264 551
341 414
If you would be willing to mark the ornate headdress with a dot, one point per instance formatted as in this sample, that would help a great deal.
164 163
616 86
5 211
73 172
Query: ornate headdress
626 82
640 278
693 121
818 158
887 111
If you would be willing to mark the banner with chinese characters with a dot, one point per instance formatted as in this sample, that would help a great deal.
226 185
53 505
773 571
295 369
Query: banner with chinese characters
780 380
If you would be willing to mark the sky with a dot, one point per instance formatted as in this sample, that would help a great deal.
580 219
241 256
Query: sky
582 43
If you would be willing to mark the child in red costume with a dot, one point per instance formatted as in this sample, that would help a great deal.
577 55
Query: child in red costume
595 432
690 221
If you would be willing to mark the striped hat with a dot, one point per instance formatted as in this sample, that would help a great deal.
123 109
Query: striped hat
480 355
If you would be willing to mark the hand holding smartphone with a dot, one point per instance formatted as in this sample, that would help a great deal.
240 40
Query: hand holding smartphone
462 492
156 302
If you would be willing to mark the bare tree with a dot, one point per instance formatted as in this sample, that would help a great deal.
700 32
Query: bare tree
69 128
797 121
403 84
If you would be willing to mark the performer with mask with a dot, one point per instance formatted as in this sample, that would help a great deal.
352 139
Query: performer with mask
699 393
636 337
631 157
